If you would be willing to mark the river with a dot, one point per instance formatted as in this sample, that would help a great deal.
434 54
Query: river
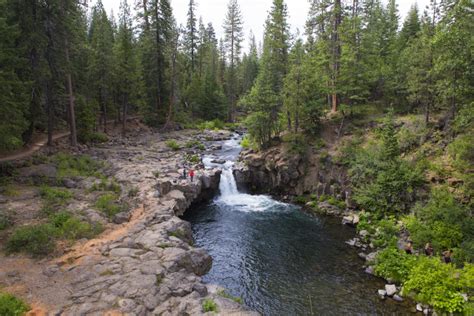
278 259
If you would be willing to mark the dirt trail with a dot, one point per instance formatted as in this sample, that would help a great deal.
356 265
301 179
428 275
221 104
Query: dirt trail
39 143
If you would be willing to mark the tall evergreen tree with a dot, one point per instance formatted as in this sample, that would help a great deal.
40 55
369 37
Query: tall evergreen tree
233 30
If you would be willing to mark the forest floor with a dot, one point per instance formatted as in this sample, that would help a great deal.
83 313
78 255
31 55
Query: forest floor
108 273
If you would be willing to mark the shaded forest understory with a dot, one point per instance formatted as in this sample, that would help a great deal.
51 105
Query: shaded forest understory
399 94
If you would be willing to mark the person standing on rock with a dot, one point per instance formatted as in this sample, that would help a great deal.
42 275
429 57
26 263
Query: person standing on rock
191 174
185 173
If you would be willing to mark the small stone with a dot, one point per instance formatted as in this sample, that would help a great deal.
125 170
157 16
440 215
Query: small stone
382 293
363 233
362 255
419 307
397 298
70 184
371 256
465 297
51 270
426 311
391 289
127 305
121 218
369 270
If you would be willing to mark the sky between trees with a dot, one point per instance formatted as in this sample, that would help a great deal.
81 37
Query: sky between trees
254 12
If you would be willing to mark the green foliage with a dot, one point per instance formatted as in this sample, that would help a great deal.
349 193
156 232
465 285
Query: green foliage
12 306
439 284
445 223
109 204
72 228
394 264
74 166
5 220
385 233
383 182
54 198
215 124
173 144
37 240
297 143
195 144
208 305
300 199
105 185
193 159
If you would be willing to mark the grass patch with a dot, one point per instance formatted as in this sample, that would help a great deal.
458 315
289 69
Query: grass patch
173 145
74 166
12 306
109 205
105 185
208 305
211 125
195 144
5 220
37 240
224 294
54 198
72 228
193 159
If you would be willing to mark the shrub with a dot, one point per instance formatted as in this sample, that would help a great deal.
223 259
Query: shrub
37 240
440 285
55 196
5 220
105 185
193 159
74 166
444 222
12 306
394 264
245 143
212 125
72 228
108 204
208 305
385 233
172 144
297 143
300 199
195 144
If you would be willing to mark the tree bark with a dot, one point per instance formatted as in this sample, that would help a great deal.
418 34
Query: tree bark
72 113
336 53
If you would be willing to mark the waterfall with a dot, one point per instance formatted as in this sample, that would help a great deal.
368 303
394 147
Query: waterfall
228 185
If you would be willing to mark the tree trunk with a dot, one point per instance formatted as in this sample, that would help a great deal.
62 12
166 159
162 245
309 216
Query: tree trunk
336 53
169 118
124 115
72 113
145 14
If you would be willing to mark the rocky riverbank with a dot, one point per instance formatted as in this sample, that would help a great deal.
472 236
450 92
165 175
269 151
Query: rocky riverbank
146 264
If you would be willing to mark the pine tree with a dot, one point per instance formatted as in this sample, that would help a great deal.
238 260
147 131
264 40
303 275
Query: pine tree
266 98
191 37
13 92
233 30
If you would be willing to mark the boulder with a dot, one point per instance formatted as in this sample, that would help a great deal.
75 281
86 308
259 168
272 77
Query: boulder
391 289
121 218
397 298
40 173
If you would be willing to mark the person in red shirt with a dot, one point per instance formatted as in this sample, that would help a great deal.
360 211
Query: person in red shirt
191 174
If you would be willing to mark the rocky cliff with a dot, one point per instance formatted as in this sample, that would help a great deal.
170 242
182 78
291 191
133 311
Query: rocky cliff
280 172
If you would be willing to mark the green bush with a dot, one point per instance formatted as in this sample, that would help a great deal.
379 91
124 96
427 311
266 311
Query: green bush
297 143
208 305
445 223
74 166
12 306
55 196
172 144
212 125
5 220
300 199
37 240
109 205
394 264
438 284
105 185
72 228
193 159
245 143
195 144
385 233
